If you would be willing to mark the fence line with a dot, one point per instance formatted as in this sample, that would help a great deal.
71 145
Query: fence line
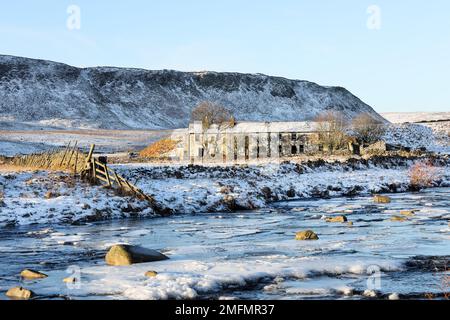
70 158
96 171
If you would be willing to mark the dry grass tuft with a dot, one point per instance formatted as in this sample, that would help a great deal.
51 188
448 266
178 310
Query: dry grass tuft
159 149
69 159
423 174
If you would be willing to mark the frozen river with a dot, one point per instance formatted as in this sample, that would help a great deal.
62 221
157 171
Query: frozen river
249 255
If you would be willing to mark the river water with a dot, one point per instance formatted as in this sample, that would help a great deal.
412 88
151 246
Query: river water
247 255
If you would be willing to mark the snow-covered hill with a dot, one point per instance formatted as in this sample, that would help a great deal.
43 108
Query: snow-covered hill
416 117
45 93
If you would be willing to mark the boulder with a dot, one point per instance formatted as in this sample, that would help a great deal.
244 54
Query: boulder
19 293
70 280
340 219
267 193
125 255
151 274
29 274
229 202
291 193
306 235
407 212
381 199
398 219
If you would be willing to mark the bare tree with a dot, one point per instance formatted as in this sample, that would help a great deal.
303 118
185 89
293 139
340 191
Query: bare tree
213 116
331 127
211 113
367 129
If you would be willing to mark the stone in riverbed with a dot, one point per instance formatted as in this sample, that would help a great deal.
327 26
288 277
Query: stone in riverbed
398 219
381 199
407 212
340 219
70 280
51 195
29 274
19 293
306 235
125 255
151 274
394 296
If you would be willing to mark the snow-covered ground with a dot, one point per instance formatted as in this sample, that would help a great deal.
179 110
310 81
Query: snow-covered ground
430 130
416 136
40 197
198 189
413 117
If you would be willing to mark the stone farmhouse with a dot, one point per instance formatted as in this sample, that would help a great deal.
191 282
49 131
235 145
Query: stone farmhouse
245 141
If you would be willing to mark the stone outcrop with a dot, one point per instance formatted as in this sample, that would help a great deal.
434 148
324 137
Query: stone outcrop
340 219
29 274
151 274
398 219
407 212
19 293
70 280
306 235
381 199
125 255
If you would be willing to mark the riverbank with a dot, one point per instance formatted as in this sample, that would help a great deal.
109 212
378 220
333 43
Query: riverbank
40 197
190 189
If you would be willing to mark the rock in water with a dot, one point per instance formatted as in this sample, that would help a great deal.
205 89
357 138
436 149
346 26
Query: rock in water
125 255
340 219
151 274
19 293
32 274
306 235
70 280
398 218
407 212
394 296
381 199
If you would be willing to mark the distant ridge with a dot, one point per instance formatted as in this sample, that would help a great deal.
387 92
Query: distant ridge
55 94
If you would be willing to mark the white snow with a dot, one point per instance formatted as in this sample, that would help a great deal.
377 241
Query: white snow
24 200
414 117
203 192
213 190
416 136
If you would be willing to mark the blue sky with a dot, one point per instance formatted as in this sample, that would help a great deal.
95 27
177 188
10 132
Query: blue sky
403 66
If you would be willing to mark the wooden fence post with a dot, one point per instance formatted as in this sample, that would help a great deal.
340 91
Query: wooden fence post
65 152
71 154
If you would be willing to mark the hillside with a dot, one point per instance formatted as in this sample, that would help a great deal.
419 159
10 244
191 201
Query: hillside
50 94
